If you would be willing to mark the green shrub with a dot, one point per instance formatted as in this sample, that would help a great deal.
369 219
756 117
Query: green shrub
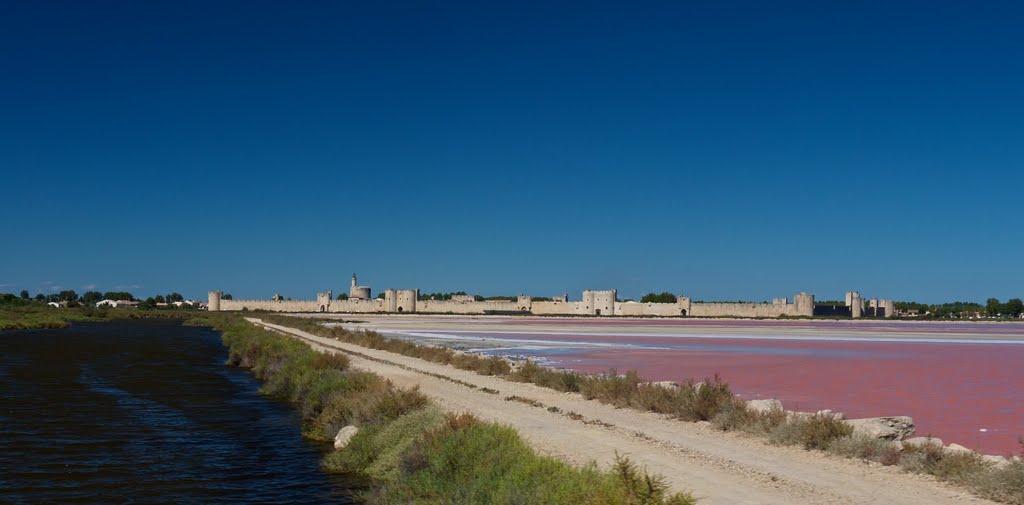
376 451
704 401
737 416
467 461
1004 484
811 432
559 380
868 449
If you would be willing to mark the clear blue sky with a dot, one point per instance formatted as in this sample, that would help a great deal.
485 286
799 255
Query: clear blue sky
726 150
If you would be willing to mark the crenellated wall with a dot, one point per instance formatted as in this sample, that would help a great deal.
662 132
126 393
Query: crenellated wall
474 307
271 305
359 306
742 310
595 303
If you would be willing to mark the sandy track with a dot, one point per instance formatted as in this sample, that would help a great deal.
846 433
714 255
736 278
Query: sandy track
720 468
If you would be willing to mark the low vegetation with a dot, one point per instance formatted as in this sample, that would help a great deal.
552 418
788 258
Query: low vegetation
36 315
967 469
659 298
409 449
824 432
712 400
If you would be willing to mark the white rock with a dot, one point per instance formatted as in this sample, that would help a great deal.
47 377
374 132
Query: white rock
834 415
344 436
956 448
923 441
885 428
998 461
666 384
764 406
793 415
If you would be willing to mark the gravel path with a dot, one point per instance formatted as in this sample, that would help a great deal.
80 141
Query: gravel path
719 468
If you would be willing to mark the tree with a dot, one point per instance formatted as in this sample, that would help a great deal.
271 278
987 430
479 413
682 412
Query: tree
91 297
1015 307
343 296
68 295
227 297
159 299
40 297
24 294
665 297
993 307
150 303
175 297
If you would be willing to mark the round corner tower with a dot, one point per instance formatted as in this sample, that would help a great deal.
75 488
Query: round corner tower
213 300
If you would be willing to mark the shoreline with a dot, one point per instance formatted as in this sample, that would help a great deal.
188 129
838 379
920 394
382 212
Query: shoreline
553 404
410 450
867 374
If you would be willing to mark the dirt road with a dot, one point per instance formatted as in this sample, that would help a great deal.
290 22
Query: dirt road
719 468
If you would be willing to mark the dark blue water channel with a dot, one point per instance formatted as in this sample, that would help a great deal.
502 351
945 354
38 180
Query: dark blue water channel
146 412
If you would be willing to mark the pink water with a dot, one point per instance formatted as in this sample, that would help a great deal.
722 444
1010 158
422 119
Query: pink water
968 393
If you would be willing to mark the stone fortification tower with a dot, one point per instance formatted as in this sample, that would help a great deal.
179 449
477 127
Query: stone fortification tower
685 305
856 304
400 300
358 292
213 300
525 303
804 304
323 301
599 303
890 308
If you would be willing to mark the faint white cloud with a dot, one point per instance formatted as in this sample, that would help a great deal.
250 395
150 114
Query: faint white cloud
128 286
89 286
50 287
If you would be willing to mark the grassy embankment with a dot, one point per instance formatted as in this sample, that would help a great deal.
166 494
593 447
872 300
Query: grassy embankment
35 315
411 450
711 400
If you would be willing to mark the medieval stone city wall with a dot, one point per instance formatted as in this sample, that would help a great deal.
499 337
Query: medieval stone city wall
270 305
742 310
556 308
361 306
593 303
648 309
474 307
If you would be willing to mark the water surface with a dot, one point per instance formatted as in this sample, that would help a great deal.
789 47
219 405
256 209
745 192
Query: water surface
961 382
145 412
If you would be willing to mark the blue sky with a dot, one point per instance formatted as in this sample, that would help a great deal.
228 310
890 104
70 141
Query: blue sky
726 150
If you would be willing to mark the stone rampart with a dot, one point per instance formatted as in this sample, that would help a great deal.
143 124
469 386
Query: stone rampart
359 306
718 309
593 303
482 307
271 305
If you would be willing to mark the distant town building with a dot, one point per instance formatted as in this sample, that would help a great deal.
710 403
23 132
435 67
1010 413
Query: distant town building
117 303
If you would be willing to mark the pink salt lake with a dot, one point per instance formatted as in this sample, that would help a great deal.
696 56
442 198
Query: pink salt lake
961 382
